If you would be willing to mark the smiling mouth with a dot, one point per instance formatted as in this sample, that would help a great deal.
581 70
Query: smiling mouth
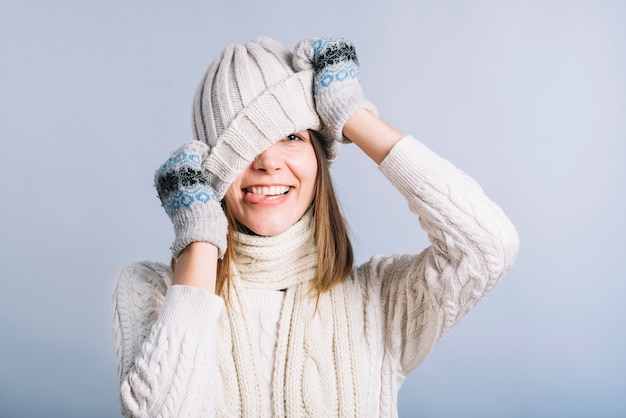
257 194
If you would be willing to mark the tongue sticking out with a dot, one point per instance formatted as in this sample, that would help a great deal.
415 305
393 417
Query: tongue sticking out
254 198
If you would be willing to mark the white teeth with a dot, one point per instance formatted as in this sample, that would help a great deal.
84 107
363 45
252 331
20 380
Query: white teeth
269 191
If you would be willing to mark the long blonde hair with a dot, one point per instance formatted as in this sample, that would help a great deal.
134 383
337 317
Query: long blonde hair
334 249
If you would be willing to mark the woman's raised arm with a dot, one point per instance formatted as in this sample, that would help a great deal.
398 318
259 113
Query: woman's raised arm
370 133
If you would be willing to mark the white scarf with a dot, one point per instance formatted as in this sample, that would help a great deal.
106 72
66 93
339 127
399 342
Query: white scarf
317 364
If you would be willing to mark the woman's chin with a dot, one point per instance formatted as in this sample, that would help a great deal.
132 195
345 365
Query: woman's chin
270 227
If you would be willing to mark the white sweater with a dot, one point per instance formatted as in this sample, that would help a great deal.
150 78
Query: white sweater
165 336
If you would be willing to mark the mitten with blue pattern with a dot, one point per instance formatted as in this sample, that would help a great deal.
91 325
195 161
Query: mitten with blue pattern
336 88
189 200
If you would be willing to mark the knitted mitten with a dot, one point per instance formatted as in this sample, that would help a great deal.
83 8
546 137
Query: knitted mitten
337 91
189 200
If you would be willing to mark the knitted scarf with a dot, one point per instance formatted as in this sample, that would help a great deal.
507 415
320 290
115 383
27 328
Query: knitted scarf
317 365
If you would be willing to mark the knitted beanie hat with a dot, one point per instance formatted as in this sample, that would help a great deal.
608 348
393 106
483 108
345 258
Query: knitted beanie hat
249 98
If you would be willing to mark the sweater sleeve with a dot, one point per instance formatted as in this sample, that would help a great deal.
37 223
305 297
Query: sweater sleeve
473 244
164 344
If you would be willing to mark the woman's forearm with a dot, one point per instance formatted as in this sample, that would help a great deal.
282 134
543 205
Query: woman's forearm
197 266
370 133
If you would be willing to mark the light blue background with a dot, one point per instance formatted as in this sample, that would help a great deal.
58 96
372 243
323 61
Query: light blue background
528 97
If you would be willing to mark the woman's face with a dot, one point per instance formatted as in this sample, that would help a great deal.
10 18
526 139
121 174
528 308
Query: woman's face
275 190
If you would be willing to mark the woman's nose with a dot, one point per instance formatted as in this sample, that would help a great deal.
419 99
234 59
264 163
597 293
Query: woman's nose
268 161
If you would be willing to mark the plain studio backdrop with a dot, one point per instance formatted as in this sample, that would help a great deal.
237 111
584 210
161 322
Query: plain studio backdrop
528 97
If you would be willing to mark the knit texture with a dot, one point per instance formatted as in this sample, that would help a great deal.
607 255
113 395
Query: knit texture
167 338
317 368
249 98
336 87
189 200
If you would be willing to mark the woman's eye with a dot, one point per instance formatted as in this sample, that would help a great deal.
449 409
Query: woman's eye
293 137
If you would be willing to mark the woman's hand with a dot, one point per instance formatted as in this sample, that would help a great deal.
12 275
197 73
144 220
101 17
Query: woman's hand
337 91
189 200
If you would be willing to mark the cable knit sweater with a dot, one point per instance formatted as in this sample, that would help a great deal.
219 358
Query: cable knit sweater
166 337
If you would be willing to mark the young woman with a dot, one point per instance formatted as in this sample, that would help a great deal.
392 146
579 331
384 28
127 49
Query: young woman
262 312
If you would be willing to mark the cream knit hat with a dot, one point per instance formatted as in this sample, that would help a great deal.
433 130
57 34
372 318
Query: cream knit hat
249 98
